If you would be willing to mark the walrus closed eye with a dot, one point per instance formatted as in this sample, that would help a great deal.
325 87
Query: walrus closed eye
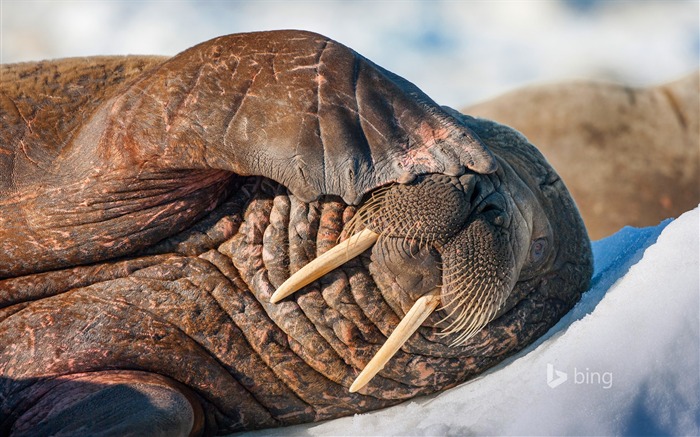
266 229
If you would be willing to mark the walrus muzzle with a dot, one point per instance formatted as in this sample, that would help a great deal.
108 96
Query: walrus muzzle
477 261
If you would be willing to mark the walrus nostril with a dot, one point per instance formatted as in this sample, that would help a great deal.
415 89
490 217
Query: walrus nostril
494 210
499 220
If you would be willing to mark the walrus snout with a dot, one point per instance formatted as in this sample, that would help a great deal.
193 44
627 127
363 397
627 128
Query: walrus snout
404 271
439 243
449 233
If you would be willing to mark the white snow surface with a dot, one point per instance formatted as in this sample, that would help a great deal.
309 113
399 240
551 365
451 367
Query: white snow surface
630 350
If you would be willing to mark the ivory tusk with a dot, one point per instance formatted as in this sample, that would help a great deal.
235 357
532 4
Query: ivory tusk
420 311
337 256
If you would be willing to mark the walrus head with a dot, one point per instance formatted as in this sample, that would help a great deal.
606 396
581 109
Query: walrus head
469 248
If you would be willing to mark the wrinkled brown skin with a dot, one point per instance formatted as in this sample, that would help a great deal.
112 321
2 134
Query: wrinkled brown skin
150 207
629 156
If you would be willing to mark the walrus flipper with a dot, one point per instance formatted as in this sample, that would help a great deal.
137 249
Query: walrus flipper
116 403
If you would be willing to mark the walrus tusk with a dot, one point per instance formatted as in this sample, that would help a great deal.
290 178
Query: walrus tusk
420 311
335 257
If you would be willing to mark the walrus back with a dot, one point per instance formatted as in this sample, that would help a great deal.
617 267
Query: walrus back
43 103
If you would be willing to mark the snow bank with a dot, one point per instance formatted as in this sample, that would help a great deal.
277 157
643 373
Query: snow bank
624 361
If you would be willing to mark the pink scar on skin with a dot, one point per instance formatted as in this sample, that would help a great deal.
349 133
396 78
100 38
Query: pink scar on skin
422 156
431 136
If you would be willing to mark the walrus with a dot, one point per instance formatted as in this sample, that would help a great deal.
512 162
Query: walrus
156 216
629 155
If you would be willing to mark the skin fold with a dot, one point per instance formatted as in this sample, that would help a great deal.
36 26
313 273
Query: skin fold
151 206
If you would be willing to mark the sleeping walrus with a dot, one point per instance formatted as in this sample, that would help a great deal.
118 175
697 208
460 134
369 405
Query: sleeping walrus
151 208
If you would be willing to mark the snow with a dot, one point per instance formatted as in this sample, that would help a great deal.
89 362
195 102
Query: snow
458 52
630 350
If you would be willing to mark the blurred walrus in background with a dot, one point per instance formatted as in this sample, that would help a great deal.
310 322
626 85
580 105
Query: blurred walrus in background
630 156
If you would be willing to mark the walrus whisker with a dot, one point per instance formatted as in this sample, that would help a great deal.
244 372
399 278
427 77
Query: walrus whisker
464 307
475 325
370 211
452 282
408 238
421 309
471 313
335 257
